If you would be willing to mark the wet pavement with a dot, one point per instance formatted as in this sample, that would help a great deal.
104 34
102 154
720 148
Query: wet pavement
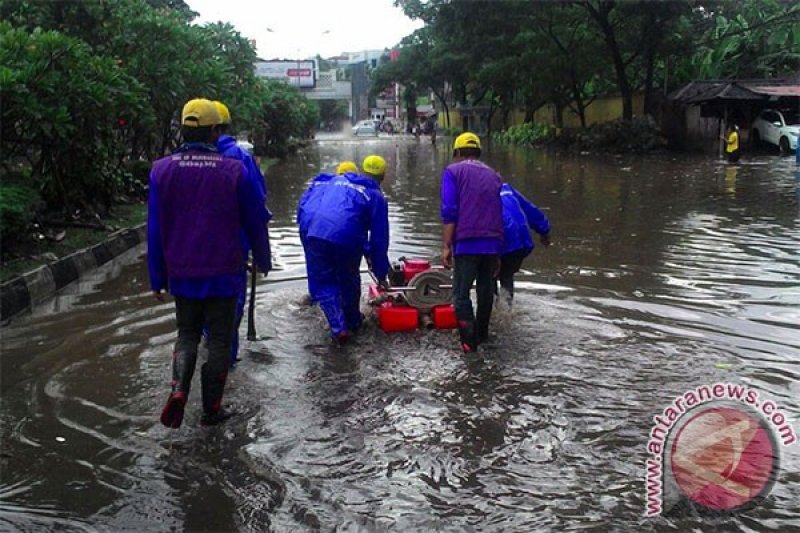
667 272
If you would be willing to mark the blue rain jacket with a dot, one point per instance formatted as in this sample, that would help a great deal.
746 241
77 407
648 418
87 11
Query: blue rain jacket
348 210
518 215
227 147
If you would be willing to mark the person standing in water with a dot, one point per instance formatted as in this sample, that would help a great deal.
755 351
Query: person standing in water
472 217
731 140
519 214
199 203
342 218
229 147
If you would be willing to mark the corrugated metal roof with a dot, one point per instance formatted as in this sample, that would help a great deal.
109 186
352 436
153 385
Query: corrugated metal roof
699 92
777 90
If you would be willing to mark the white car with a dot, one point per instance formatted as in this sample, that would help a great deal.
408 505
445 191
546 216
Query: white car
780 128
365 127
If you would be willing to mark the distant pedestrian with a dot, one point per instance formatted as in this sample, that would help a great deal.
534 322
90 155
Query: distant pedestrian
229 147
199 203
519 214
731 141
343 218
472 214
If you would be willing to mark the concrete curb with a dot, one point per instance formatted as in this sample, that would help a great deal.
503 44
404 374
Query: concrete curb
25 291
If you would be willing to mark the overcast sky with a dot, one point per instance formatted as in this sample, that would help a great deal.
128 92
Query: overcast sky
303 28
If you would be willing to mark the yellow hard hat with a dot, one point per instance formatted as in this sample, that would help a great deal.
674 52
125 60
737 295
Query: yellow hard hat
347 166
374 165
224 112
467 140
198 113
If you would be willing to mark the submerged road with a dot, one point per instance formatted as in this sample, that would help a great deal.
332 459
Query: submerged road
668 272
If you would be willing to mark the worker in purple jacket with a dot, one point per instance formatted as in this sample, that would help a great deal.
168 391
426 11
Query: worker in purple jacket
199 202
472 215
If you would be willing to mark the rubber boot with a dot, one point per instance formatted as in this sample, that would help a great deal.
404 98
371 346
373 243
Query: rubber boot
466 331
482 324
342 338
481 332
182 371
212 387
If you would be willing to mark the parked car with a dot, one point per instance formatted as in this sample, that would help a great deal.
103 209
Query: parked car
780 128
365 127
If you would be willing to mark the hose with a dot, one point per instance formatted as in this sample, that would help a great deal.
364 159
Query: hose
431 288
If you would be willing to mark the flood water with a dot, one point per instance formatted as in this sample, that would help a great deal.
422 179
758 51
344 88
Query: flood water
667 272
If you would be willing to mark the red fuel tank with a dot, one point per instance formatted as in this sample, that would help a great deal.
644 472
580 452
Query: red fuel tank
392 317
444 317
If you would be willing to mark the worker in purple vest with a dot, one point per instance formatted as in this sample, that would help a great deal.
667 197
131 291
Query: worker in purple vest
472 214
199 202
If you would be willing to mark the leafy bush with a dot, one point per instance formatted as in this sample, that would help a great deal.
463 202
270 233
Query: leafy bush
137 177
638 135
528 133
61 110
282 113
18 206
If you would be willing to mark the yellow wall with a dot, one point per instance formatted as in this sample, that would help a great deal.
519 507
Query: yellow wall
455 119
600 110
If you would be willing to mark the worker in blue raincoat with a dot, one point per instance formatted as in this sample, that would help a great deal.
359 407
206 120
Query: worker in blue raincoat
228 147
342 218
519 214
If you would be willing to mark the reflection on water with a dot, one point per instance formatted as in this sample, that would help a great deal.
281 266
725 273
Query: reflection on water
667 272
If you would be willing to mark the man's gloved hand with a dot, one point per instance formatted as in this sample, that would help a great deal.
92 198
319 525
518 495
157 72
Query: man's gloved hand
545 239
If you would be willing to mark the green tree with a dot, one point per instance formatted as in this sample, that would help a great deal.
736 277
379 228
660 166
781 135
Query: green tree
61 113
283 114
333 112
87 87
746 39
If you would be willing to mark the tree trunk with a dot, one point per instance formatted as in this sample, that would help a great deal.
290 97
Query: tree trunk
445 107
580 108
601 16
492 109
559 115
650 64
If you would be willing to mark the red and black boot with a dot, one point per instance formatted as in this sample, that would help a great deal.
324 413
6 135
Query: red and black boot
213 385
466 331
182 372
